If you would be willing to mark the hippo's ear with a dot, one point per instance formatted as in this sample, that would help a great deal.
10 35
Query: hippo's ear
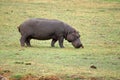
70 37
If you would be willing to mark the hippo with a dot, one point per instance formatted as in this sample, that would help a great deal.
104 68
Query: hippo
45 29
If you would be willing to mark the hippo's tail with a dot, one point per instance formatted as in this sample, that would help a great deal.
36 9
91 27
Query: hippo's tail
18 28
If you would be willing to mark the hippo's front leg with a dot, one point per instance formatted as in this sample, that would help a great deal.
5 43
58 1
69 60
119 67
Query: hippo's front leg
61 39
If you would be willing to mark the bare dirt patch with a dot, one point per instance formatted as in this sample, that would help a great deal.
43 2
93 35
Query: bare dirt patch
4 74
7 75
52 77
29 77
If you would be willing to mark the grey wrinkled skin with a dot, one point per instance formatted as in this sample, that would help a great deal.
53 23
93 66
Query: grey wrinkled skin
45 29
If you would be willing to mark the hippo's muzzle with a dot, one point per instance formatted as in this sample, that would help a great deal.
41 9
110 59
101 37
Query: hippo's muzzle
77 43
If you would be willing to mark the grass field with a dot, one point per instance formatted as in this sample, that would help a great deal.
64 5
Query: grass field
98 22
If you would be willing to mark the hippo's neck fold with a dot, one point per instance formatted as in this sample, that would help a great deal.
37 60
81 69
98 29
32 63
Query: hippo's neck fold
68 29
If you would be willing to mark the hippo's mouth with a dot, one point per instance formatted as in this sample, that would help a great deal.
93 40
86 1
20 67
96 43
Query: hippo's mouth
80 46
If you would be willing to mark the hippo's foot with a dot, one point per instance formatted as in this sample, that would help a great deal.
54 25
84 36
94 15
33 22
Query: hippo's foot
62 47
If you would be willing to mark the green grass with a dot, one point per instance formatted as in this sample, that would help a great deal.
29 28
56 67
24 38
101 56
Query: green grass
98 22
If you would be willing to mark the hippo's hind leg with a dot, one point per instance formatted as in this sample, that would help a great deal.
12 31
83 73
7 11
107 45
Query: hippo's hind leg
53 42
22 40
28 42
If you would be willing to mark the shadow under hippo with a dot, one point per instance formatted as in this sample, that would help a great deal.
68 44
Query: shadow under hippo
45 29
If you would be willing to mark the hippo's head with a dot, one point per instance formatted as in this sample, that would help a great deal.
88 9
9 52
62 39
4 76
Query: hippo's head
74 38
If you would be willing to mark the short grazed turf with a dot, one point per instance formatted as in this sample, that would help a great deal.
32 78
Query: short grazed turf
98 22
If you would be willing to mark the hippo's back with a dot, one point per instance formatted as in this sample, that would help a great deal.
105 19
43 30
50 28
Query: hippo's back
42 28
43 23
